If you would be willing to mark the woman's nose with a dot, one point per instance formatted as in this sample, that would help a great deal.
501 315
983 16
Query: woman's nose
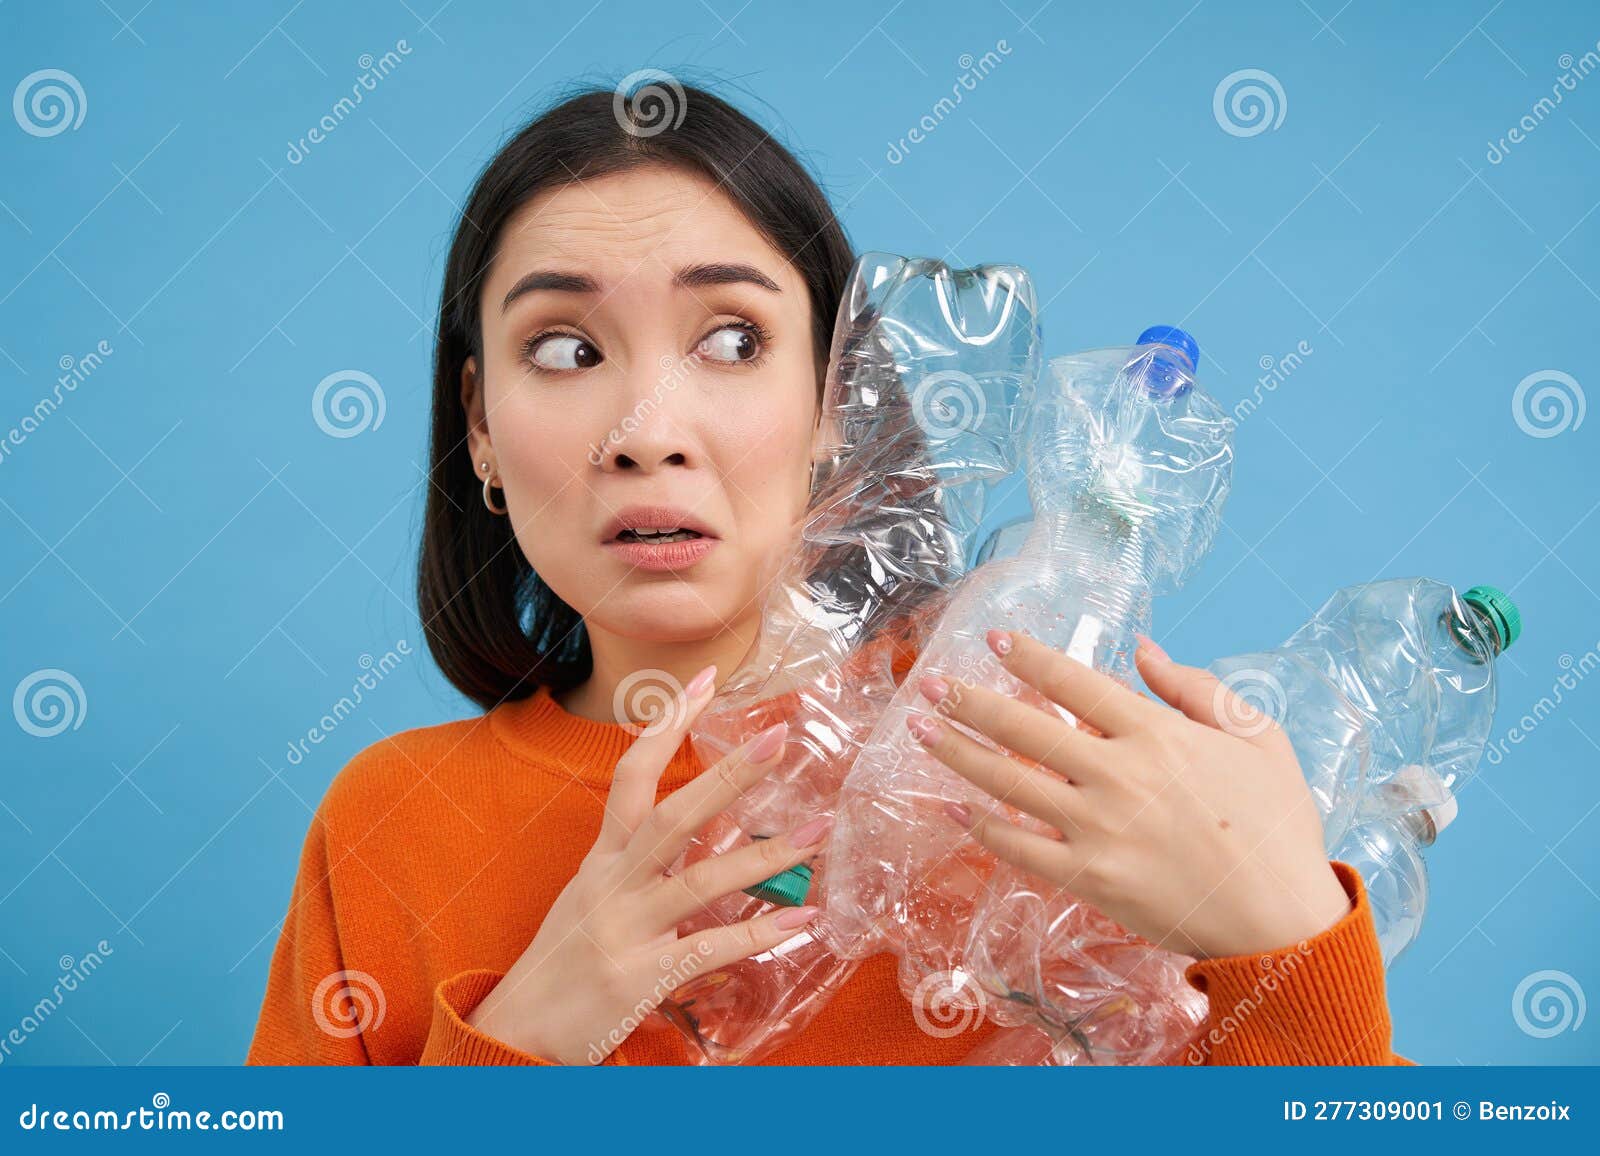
649 434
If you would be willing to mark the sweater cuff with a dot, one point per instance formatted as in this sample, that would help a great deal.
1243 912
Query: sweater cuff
453 1041
1320 1001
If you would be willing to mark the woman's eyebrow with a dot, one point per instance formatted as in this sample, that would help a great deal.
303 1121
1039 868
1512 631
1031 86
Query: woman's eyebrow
689 277
721 273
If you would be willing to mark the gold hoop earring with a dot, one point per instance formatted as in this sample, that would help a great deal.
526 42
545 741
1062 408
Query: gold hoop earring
489 480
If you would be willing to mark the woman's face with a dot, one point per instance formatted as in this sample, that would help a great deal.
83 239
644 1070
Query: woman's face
645 346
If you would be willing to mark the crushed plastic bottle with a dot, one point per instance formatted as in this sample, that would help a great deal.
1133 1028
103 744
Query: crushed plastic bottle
1128 467
1387 695
930 381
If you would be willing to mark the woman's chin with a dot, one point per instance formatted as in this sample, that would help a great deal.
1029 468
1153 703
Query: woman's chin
675 612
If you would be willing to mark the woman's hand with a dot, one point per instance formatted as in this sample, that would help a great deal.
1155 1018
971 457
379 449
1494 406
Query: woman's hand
1202 839
608 951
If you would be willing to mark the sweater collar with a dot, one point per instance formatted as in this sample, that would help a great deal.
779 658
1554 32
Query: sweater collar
542 731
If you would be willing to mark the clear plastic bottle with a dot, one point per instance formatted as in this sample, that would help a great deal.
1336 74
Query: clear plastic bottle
929 384
1387 695
1128 467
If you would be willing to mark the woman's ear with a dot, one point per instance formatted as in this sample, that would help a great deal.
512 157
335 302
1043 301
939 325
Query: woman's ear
472 403
824 436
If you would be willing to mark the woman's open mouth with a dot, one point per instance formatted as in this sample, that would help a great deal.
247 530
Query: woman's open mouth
657 536
661 548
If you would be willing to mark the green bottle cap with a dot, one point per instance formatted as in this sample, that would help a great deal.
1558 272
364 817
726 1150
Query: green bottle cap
1496 605
788 887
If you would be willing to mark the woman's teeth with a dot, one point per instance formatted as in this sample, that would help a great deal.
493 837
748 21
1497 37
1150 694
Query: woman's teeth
653 535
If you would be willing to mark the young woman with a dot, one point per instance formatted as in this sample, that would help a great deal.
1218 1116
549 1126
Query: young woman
633 336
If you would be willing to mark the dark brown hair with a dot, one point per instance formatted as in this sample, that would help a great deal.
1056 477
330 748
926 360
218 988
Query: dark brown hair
494 627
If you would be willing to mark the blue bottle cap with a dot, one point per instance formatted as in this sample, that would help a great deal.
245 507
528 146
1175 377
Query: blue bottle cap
1172 336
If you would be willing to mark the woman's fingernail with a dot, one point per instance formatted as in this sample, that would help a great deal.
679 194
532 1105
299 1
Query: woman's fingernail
999 641
811 832
933 687
924 727
960 812
768 743
1149 647
698 684
795 917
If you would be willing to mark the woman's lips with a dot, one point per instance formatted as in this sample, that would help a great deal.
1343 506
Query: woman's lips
663 555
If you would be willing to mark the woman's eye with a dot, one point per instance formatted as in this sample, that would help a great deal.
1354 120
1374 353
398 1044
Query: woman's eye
563 351
730 343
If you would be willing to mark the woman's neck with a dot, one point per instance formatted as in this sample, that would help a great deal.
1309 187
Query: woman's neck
630 676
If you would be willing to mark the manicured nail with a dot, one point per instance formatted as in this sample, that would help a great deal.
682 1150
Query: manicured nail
959 812
768 743
999 641
924 727
1149 647
698 684
811 832
795 917
933 687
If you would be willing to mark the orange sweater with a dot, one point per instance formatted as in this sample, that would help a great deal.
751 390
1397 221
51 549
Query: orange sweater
436 853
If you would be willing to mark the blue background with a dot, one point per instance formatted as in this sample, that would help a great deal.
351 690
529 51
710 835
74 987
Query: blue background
184 539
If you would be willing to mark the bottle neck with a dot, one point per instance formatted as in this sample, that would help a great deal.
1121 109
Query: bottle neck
1109 558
